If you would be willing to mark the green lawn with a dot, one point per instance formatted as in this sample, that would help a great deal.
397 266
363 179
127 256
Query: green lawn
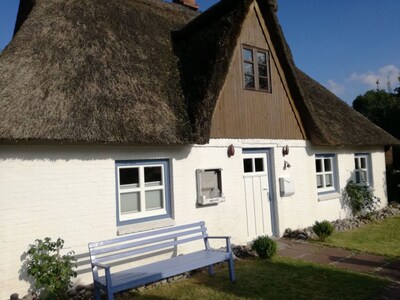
281 278
379 238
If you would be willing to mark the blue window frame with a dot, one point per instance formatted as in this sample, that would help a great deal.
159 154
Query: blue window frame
143 191
326 173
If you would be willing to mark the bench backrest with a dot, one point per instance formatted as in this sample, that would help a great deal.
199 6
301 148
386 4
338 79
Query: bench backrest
137 244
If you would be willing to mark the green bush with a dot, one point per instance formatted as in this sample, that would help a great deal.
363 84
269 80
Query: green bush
264 246
323 229
359 199
51 272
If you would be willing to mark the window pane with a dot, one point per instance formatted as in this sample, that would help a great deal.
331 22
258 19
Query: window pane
363 163
248 165
318 165
259 162
363 176
262 58
129 176
263 83
319 181
210 184
262 71
130 202
249 81
328 180
248 69
358 179
248 54
154 199
152 176
328 164
357 163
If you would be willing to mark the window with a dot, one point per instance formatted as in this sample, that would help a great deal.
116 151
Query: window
143 191
254 164
256 69
326 173
362 171
209 186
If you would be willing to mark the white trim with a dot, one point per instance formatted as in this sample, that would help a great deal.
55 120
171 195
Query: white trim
330 196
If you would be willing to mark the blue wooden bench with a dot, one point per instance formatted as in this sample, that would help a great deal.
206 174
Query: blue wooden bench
122 251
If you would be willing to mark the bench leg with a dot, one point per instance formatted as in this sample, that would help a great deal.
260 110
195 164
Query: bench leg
97 293
211 270
231 270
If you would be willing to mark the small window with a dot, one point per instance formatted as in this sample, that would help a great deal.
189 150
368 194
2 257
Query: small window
362 171
143 191
256 71
325 173
254 164
209 186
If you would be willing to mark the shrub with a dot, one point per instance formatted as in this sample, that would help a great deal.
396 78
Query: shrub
359 199
323 229
51 272
264 246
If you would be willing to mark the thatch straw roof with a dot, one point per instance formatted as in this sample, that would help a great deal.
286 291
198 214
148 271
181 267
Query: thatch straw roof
143 72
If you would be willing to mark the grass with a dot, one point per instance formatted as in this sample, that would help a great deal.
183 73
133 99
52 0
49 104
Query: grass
380 238
279 278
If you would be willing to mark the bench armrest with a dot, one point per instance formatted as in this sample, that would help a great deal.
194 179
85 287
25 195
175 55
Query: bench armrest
228 241
101 266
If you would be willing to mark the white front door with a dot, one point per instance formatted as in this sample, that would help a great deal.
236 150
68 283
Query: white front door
258 196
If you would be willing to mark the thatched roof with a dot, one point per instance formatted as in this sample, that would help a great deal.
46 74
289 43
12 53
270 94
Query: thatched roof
144 72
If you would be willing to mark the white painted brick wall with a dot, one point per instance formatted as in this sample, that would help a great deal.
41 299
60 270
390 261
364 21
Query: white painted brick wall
69 192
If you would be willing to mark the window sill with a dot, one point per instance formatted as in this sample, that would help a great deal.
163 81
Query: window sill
330 196
133 228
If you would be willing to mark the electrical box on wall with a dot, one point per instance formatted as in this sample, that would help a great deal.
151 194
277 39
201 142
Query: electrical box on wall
209 186
286 185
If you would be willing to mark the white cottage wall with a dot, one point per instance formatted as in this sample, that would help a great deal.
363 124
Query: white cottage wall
69 192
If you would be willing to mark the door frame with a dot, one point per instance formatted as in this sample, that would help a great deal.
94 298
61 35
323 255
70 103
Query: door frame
271 182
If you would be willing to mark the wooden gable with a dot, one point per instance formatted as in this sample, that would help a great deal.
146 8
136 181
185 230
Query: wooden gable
242 113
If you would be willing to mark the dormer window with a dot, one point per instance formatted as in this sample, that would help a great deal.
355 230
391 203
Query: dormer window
256 71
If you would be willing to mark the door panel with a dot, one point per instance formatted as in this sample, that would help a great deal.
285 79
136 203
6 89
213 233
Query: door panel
257 195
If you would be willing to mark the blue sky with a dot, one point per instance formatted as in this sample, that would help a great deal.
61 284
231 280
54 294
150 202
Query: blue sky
346 45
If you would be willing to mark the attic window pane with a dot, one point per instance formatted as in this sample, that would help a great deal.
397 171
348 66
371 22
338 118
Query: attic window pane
262 71
248 165
248 54
328 180
262 58
248 68
263 83
249 81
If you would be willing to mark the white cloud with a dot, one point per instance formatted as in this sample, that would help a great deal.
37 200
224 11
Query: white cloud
336 88
389 72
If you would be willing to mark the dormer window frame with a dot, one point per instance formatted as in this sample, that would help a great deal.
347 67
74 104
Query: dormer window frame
257 69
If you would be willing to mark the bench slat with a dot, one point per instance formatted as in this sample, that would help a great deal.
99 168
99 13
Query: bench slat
166 268
95 251
144 234
148 249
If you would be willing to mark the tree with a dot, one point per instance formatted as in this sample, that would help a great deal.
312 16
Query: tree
382 108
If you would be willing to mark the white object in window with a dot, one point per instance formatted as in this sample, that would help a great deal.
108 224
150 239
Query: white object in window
325 173
209 186
362 171
141 191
